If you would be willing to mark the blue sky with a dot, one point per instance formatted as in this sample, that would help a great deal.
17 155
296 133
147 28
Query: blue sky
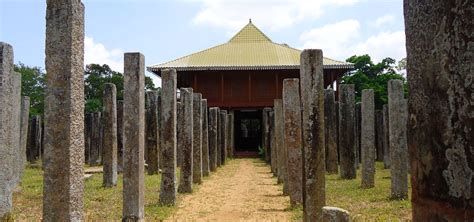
164 29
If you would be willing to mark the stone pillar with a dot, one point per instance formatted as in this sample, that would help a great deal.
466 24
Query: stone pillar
266 133
335 214
337 131
347 153
331 131
151 136
63 189
379 134
179 133
292 138
95 140
34 139
273 152
368 138
16 117
8 145
197 138
110 135
120 149
160 128
230 125
205 139
219 139
186 126
213 142
312 99
386 143
134 137
168 137
358 134
87 136
231 133
25 113
398 140
281 148
440 50
223 130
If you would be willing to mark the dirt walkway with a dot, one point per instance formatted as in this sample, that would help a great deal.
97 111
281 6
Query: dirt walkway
242 190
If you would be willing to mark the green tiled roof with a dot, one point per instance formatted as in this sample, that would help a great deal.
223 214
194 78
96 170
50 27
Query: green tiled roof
249 49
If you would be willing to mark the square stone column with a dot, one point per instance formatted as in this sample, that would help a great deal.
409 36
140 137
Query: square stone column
266 133
110 135
219 138
368 138
152 139
205 139
134 137
120 149
273 145
213 135
223 135
330 123
197 138
386 140
281 148
347 150
25 115
186 126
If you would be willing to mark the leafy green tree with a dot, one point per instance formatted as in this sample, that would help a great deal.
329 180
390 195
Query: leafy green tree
33 85
368 75
96 76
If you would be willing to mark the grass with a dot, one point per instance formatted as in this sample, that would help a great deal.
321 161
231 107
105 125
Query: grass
372 204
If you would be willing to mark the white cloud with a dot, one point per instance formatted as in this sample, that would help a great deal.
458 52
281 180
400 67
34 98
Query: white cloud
274 14
384 20
342 39
95 52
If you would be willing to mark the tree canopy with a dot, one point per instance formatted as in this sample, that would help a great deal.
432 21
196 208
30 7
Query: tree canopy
33 85
368 75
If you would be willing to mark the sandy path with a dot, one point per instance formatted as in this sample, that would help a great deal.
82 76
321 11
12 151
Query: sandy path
242 190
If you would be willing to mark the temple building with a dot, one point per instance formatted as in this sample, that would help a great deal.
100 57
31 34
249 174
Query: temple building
245 75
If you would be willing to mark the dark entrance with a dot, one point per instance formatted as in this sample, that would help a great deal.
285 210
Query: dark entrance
248 133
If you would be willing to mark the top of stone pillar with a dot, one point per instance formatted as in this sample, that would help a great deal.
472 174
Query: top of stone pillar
6 61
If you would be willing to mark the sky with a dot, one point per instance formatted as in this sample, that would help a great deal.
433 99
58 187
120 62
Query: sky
164 30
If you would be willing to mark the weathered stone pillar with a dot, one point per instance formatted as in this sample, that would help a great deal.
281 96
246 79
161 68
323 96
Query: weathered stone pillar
266 133
151 136
186 126
398 140
168 139
197 138
335 214
223 130
440 50
8 145
134 137
379 134
281 148
25 113
87 136
273 152
213 141
337 131
368 138
219 138
386 140
110 135
331 131
358 134
231 133
120 149
34 139
347 152
179 133
230 125
63 189
312 99
205 139
16 117
160 127
293 140
95 140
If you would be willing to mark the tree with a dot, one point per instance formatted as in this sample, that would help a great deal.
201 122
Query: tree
33 85
96 76
368 75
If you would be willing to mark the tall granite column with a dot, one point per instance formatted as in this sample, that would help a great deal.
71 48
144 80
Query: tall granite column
398 140
219 138
34 139
266 133
186 126
63 189
7 141
368 138
230 126
213 141
95 140
357 134
197 138
223 132
281 148
347 151
312 99
386 141
134 137
168 137
120 149
205 139
440 53
379 135
25 113
231 133
110 135
179 131
151 132
273 152
331 131
87 136
293 140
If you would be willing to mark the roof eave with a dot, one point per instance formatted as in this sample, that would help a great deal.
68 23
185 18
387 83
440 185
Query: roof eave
227 68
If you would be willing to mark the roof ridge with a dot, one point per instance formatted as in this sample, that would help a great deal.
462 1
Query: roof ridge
245 28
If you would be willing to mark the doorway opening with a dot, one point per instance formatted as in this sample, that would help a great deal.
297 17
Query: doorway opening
247 132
